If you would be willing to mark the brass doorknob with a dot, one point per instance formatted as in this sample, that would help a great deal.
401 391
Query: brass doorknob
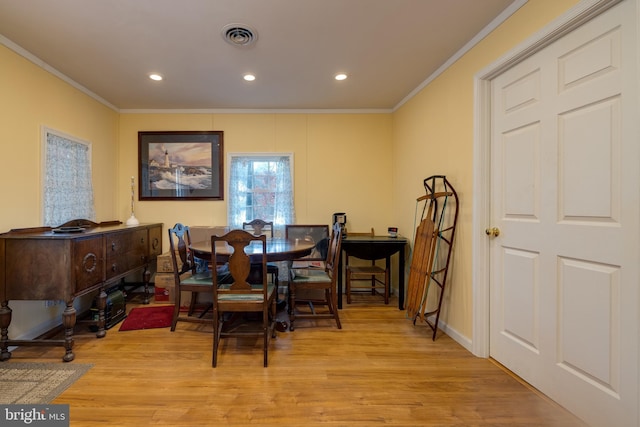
492 232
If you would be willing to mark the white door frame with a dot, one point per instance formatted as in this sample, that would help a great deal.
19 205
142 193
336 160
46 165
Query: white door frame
576 16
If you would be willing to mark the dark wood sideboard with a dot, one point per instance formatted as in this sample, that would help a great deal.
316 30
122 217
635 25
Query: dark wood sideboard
53 264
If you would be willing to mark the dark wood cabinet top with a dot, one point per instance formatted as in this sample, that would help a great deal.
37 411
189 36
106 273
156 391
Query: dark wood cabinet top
71 232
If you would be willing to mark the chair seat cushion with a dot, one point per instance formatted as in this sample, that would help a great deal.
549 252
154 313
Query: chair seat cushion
319 265
245 297
203 278
310 275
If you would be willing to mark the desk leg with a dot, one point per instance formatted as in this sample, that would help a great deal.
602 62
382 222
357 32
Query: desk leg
401 279
340 281
389 278
5 320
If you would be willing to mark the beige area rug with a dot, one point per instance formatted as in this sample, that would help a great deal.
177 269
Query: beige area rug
36 383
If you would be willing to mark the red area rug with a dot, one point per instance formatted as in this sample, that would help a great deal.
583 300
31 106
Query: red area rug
148 318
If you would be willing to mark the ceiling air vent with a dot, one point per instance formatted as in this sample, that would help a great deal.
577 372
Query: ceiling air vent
239 35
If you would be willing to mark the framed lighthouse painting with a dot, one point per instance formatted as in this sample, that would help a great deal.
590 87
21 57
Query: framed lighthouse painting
180 165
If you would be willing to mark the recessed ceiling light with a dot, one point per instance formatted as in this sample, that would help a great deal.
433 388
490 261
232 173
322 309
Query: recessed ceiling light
249 77
341 76
156 77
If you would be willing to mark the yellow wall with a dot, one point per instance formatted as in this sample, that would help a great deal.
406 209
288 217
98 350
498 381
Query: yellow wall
433 135
342 163
32 98
370 166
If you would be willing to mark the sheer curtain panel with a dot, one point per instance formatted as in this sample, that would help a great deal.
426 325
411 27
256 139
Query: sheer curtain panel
68 189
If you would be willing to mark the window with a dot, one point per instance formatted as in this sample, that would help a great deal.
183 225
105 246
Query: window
67 187
261 187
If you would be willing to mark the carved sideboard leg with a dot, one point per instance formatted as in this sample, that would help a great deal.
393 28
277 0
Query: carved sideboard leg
146 278
5 320
102 304
68 321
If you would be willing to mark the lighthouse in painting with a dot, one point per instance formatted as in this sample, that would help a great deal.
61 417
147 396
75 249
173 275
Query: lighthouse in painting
166 157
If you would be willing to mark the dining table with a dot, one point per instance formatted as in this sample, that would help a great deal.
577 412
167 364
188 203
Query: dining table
278 249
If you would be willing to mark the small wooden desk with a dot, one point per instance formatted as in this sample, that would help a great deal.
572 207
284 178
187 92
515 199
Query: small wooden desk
278 249
372 248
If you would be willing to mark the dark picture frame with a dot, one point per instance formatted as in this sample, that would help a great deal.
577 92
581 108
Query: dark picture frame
180 165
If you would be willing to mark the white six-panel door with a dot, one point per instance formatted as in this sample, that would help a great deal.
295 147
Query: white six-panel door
565 187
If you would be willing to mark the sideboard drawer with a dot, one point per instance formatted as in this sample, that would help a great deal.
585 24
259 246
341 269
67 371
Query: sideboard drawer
88 262
155 242
125 251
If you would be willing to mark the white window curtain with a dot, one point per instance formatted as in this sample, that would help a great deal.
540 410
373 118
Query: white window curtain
261 186
68 190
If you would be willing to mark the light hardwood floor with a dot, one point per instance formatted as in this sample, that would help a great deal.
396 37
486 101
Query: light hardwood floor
378 370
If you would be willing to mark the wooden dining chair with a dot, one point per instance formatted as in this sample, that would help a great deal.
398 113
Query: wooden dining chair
186 279
318 285
233 300
370 278
260 227
316 234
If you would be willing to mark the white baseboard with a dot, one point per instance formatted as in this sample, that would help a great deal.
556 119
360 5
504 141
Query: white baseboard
454 334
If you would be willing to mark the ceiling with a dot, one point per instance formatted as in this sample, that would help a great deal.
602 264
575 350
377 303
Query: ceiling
388 49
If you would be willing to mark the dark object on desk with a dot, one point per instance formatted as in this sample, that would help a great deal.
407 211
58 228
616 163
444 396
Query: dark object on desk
371 278
241 296
341 219
37 264
376 247
433 247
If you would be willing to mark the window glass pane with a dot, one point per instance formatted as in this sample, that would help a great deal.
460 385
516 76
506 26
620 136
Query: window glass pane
260 187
